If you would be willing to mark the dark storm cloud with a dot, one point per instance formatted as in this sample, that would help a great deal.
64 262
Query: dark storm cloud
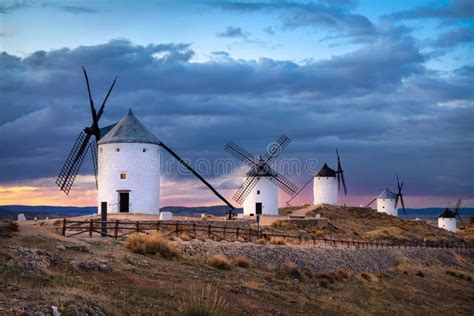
232 32
333 16
378 104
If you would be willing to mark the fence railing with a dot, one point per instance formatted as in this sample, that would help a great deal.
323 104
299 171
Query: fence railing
117 229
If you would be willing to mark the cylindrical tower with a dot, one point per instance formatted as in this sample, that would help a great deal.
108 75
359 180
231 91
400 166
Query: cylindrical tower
325 189
447 220
263 199
129 165
386 203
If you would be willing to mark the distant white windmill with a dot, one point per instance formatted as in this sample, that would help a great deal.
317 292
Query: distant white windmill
259 192
387 201
447 219
326 184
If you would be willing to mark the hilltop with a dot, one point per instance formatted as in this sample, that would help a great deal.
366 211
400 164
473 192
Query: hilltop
100 276
348 222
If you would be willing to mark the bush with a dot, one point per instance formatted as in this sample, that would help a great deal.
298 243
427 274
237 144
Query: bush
243 262
151 244
369 277
261 241
219 261
277 241
203 303
10 225
459 275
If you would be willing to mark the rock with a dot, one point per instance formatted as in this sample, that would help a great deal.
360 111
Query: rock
90 265
34 259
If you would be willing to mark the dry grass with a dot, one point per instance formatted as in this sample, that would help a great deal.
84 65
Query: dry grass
219 261
459 274
243 262
151 244
369 276
277 241
205 302
11 226
261 241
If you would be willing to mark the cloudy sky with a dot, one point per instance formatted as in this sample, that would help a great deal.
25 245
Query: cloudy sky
388 83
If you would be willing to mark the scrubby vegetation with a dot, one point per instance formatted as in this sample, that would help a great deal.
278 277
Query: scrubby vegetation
205 302
220 262
277 241
151 244
242 262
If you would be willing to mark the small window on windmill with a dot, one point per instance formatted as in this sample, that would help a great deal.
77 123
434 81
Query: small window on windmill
117 149
101 150
123 176
258 191
144 150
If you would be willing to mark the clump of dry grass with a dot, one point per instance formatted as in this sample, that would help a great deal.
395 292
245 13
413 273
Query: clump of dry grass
203 303
459 275
369 276
151 244
261 241
277 241
243 262
219 261
10 225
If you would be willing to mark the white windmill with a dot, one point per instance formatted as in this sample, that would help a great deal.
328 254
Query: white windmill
387 201
447 219
326 184
259 192
126 158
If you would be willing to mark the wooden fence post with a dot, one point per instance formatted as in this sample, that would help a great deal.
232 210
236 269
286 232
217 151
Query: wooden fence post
91 227
158 226
209 231
138 227
116 229
64 227
314 241
237 233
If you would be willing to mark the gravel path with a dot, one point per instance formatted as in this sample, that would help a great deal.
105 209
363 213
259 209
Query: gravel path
322 260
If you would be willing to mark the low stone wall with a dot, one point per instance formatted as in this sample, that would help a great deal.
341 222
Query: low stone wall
323 260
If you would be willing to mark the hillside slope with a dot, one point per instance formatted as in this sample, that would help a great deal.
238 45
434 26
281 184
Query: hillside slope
367 224
40 268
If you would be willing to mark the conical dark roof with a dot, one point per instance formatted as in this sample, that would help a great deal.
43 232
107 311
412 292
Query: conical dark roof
447 214
325 171
129 130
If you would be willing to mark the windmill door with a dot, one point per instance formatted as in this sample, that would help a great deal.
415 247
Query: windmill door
124 202
258 208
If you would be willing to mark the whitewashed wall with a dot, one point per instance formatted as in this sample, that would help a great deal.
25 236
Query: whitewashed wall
325 190
387 206
447 223
268 197
143 177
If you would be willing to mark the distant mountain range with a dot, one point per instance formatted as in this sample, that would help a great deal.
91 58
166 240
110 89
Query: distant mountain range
41 212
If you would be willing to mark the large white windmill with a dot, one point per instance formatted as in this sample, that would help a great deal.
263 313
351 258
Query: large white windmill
387 201
126 158
259 192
